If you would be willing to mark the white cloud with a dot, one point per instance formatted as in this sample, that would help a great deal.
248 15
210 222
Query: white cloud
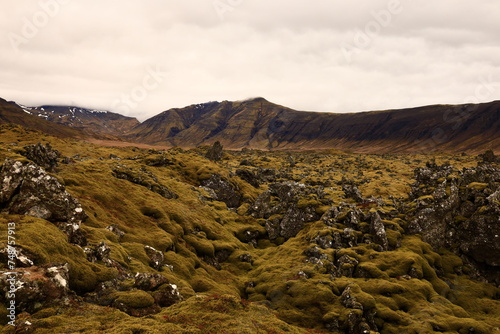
90 53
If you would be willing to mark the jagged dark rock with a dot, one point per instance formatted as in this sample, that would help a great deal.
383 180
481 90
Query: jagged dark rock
28 190
346 266
223 190
149 282
459 210
248 176
246 258
353 192
148 294
215 152
21 258
284 217
267 174
37 287
220 256
246 162
167 295
377 230
159 161
157 259
489 157
101 253
42 155
349 300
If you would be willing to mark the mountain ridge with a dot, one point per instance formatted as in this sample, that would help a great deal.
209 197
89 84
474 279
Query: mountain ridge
88 120
260 124
37 119
257 123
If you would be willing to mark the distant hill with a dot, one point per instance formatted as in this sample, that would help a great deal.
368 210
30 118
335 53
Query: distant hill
260 124
67 122
11 112
88 120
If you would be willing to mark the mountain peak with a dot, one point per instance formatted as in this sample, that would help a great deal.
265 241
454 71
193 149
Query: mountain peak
256 99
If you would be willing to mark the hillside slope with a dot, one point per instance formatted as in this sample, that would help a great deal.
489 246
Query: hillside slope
259 124
12 113
88 120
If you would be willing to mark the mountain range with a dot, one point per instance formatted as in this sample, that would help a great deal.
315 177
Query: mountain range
259 124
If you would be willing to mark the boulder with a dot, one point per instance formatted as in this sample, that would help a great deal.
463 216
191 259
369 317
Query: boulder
459 210
167 295
215 152
224 191
248 176
489 157
157 259
37 287
351 191
149 282
22 259
42 155
377 231
27 189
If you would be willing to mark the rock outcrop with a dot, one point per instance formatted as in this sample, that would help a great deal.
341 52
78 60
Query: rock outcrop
26 189
42 155
460 210
156 257
223 190
37 287
215 152
280 207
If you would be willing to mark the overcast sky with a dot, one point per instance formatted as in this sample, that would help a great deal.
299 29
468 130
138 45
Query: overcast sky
140 58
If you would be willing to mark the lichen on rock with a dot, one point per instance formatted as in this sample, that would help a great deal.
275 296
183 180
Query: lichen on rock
28 189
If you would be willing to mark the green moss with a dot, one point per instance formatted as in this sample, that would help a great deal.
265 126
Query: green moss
202 246
49 245
393 238
134 298
459 219
477 185
426 197
307 202
152 212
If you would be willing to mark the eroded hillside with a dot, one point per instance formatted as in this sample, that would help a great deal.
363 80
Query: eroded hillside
260 124
127 240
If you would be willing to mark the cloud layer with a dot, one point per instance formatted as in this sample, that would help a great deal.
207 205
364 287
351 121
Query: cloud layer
142 57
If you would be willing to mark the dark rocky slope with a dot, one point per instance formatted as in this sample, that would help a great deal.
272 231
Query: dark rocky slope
260 124
88 120
12 113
